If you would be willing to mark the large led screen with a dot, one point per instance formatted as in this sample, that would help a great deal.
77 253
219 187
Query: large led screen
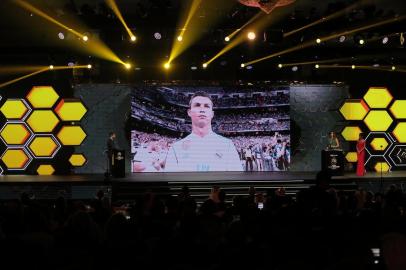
212 128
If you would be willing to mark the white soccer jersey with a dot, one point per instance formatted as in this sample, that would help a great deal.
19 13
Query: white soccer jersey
202 154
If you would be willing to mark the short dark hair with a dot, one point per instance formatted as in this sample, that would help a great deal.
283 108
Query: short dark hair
199 94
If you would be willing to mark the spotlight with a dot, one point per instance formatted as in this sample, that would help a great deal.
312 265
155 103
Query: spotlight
249 67
316 66
157 35
204 65
242 65
280 65
127 65
193 68
353 66
393 68
167 65
385 40
251 35
89 66
61 35
85 38
341 39
71 64
361 42
318 41
51 67
376 65
295 68
226 39
180 38
133 38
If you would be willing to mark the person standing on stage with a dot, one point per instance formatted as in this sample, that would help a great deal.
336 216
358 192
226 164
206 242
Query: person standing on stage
111 146
202 150
361 155
333 142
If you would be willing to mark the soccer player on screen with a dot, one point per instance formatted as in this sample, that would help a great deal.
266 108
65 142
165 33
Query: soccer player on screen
202 150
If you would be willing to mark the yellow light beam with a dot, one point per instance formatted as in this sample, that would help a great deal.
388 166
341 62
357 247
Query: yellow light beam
19 69
259 14
235 42
42 69
326 38
317 62
325 19
192 11
42 14
112 4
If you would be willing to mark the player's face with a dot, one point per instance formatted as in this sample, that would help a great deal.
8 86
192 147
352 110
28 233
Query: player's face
201 111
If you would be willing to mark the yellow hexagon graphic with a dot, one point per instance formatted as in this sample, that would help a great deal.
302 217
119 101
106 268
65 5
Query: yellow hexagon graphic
15 133
378 97
385 167
14 109
43 146
70 110
71 135
355 109
378 120
351 157
351 133
398 109
42 120
42 97
15 159
400 132
77 160
45 169
379 144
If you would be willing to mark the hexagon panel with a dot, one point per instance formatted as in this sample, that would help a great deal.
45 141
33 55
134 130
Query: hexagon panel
398 109
15 109
42 121
77 160
351 157
379 144
71 135
15 133
382 165
16 158
44 146
378 120
351 133
70 110
400 132
378 97
354 109
45 169
42 97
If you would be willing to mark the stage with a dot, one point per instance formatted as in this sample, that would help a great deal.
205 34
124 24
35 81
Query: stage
85 186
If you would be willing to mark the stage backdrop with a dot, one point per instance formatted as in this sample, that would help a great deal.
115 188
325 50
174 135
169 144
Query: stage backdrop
313 113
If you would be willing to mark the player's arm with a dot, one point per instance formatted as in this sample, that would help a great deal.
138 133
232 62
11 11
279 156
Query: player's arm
233 160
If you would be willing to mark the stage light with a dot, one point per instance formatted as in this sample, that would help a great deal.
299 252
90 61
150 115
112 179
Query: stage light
226 39
249 67
167 65
89 66
251 35
318 41
295 68
317 66
341 39
393 68
127 65
193 68
180 38
204 65
385 40
133 38
85 38
280 65
157 35
242 65
361 42
51 67
61 35
353 66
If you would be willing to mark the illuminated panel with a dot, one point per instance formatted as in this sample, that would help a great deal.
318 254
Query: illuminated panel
379 144
70 110
16 159
42 97
351 133
378 97
42 121
354 109
77 160
378 120
398 109
351 157
15 109
15 133
71 135
400 132
385 167
44 146
45 169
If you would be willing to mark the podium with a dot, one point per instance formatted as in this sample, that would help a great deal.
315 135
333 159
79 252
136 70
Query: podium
118 163
332 161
